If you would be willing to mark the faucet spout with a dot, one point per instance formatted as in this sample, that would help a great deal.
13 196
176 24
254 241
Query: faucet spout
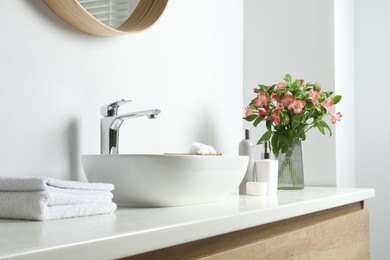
152 113
110 125
118 120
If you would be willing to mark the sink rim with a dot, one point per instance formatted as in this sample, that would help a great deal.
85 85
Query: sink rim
168 155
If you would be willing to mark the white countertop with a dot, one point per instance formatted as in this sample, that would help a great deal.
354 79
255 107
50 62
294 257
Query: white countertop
132 231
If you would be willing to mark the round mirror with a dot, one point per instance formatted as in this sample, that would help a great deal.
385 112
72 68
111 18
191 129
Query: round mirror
109 17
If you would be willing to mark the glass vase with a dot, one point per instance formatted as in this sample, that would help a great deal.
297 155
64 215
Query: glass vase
290 174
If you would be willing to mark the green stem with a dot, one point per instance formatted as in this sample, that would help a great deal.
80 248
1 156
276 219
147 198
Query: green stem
311 113
288 173
309 129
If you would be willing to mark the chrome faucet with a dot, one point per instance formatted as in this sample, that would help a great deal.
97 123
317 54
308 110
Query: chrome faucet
111 123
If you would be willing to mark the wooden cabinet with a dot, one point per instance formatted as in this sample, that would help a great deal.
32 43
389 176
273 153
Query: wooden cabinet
337 233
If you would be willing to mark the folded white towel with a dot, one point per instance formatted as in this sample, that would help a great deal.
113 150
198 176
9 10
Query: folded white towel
47 205
46 198
44 183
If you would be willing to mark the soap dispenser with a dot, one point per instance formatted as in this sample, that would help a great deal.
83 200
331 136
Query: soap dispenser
267 171
246 147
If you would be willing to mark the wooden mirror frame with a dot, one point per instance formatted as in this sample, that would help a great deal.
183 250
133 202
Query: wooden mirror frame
145 15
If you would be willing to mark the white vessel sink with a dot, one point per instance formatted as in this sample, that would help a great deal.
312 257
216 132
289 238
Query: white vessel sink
166 180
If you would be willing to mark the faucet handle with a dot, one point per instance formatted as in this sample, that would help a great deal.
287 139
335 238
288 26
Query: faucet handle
112 108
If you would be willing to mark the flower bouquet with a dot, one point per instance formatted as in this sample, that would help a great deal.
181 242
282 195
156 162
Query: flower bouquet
290 109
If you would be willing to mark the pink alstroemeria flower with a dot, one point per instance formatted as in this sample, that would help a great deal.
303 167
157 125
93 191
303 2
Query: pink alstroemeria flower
327 105
263 113
287 100
299 105
282 85
261 100
275 97
336 117
275 116
275 120
276 112
292 105
314 96
256 90
249 111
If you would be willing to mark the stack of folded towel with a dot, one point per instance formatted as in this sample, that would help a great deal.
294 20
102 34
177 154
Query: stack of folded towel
41 198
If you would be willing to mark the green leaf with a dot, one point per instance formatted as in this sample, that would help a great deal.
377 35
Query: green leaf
317 86
325 125
296 120
336 99
253 101
264 89
309 105
269 125
291 134
274 144
266 136
288 78
251 118
321 129
298 92
328 94
323 110
302 136
257 121
296 85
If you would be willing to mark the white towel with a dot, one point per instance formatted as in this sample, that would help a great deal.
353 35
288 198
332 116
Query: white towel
46 198
199 148
44 183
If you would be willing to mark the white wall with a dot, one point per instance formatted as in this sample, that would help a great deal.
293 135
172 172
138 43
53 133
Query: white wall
295 37
54 79
345 86
372 55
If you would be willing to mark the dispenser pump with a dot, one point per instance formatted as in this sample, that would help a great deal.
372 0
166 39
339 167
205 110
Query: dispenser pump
266 152
247 134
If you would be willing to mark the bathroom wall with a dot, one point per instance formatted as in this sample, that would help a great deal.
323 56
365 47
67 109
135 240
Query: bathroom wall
372 55
54 79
